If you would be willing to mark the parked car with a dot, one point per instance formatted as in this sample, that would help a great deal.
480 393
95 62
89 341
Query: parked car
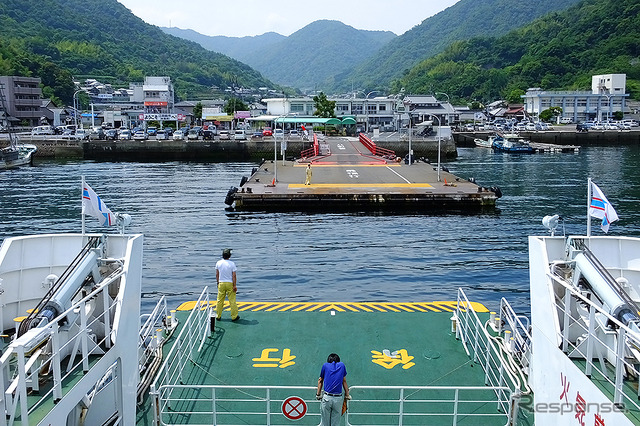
212 128
96 133
68 134
267 131
239 135
224 135
140 136
193 134
278 133
178 135
530 127
256 135
207 135
125 135
42 130
161 135
111 134
566 120
294 135
81 134
152 131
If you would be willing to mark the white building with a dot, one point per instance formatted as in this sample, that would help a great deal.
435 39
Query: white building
606 97
382 111
156 93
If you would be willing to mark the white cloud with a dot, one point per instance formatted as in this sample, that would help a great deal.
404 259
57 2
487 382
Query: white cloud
255 17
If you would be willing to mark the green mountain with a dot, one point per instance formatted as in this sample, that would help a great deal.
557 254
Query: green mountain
559 51
307 59
57 39
465 19
240 48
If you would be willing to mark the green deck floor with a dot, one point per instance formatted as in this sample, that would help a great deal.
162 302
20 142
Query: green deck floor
287 347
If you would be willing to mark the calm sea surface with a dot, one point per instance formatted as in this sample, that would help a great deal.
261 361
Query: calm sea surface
328 257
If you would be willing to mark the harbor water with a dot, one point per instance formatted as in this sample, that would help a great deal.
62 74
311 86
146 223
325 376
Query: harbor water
337 257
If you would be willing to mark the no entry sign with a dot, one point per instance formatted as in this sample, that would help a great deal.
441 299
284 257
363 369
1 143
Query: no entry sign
294 408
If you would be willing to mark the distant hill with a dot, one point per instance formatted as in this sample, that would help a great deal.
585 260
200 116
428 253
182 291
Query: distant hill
465 19
240 48
54 39
559 51
307 59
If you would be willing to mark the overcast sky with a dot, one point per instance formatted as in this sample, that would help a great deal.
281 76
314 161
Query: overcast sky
255 17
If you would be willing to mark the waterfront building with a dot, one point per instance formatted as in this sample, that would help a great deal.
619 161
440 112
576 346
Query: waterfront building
384 112
606 97
23 97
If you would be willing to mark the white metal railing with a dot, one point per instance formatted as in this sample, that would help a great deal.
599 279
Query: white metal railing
157 320
379 405
519 342
620 357
483 349
26 361
398 405
190 340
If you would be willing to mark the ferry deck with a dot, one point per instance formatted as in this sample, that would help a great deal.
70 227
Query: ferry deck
404 365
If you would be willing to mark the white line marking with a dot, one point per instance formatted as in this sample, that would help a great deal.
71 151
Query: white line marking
401 177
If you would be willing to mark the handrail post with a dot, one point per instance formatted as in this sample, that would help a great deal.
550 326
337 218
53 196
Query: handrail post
401 410
268 407
83 337
21 389
617 399
567 316
591 336
455 407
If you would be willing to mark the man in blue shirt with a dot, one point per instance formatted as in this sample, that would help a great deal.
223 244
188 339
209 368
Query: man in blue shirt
333 377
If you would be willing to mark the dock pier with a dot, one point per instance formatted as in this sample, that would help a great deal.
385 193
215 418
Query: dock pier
354 174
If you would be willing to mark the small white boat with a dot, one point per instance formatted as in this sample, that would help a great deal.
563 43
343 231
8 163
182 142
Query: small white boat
488 143
17 155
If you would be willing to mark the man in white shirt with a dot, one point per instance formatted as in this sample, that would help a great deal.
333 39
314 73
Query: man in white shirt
226 279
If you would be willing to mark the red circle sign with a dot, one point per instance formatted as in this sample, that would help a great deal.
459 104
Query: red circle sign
294 408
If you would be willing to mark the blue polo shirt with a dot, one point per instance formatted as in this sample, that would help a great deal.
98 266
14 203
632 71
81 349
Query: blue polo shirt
332 374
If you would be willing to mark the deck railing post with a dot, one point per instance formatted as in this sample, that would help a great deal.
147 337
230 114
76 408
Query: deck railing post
567 317
455 407
213 407
84 335
617 399
107 317
57 368
268 407
591 336
401 410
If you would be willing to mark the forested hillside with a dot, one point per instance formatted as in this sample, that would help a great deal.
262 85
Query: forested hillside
465 19
310 58
55 39
240 48
560 51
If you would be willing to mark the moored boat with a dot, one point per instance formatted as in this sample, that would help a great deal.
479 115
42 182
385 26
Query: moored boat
486 143
511 143
17 155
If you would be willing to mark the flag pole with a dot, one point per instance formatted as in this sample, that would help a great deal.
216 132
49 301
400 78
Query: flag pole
82 204
588 205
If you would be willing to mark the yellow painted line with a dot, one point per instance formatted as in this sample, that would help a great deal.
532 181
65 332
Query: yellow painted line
359 185
438 306
332 307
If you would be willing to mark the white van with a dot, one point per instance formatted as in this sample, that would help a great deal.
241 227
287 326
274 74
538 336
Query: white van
240 135
42 130
566 120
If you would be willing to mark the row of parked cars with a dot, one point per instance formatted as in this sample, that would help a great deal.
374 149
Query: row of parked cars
607 125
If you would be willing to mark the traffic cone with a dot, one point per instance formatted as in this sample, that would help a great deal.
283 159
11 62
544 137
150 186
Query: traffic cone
445 181
273 182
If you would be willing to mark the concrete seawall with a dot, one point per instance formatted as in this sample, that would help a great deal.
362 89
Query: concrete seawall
250 150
